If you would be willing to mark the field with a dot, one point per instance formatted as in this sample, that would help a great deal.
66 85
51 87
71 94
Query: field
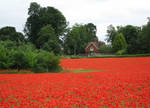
85 83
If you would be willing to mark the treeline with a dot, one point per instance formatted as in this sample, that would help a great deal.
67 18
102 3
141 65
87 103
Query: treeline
77 38
46 28
129 39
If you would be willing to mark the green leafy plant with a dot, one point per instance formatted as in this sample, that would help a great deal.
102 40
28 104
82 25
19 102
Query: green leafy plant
119 43
106 49
121 52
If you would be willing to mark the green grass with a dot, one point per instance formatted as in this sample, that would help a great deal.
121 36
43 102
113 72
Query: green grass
85 70
82 71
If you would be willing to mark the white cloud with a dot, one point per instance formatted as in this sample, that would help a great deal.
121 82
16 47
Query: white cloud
100 12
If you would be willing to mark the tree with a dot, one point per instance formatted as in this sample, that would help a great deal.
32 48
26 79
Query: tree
78 37
40 17
91 31
111 33
10 33
47 62
119 43
131 34
47 40
9 44
144 39
106 49
101 43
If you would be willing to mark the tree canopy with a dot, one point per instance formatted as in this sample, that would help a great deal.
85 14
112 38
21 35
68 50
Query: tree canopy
130 33
111 33
10 33
47 40
119 43
144 39
43 16
78 37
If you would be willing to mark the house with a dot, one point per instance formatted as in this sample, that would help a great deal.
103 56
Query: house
92 48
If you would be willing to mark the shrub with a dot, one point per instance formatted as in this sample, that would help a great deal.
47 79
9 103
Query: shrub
5 58
121 52
106 49
27 57
46 62
8 44
20 61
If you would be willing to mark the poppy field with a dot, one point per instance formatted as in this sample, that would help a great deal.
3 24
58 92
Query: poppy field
84 83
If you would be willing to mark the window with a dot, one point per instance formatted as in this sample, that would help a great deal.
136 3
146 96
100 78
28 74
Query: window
91 49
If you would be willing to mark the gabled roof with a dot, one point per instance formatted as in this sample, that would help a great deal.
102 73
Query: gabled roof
93 44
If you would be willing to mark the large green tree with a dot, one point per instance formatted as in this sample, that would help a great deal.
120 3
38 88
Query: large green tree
78 37
10 33
144 39
111 33
40 17
131 34
47 40
119 43
91 31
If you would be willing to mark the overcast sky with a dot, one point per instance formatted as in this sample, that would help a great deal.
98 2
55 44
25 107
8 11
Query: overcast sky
102 13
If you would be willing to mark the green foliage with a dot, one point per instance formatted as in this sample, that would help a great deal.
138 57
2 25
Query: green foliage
5 58
78 37
46 62
111 33
20 62
47 40
24 56
121 52
9 44
91 31
27 57
131 35
106 49
144 39
10 33
52 46
38 20
46 33
119 43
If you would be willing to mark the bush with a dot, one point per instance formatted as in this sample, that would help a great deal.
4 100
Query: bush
24 57
9 44
121 52
106 49
47 62
20 62
5 58
28 58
